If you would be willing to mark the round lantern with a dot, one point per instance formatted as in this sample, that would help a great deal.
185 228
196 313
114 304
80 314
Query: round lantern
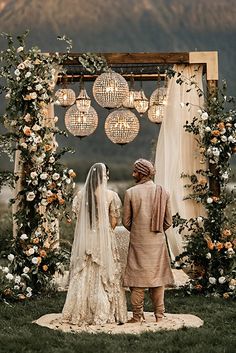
121 126
129 100
141 102
158 96
156 113
79 123
65 97
110 89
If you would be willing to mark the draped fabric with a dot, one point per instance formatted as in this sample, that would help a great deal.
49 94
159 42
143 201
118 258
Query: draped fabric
177 151
95 294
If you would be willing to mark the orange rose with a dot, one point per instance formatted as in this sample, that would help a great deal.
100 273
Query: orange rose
52 185
226 233
45 268
42 253
202 149
214 140
210 245
39 260
72 174
7 292
35 240
219 246
225 295
27 131
215 198
215 132
61 201
47 147
221 125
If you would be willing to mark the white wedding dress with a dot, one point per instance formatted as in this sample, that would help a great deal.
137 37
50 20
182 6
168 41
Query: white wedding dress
95 294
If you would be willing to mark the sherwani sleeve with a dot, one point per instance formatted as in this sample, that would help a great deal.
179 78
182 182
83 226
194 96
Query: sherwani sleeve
168 215
127 212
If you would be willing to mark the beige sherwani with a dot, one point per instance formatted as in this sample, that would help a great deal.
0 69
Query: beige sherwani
148 263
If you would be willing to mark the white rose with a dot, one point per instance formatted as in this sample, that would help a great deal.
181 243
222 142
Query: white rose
230 251
10 257
44 202
44 176
26 269
30 196
56 176
35 182
51 159
212 280
18 50
209 200
33 175
38 87
17 72
16 287
208 256
31 251
223 138
215 151
221 280
208 129
36 127
29 294
231 287
28 289
9 276
33 95
23 145
204 116
225 175
34 260
5 269
28 74
24 237
17 279
231 139
68 181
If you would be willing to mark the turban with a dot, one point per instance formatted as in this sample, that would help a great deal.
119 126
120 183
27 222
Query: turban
144 167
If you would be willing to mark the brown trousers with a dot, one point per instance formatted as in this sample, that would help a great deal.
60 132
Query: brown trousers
137 301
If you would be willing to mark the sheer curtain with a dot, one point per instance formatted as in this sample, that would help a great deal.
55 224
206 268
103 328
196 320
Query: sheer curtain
177 150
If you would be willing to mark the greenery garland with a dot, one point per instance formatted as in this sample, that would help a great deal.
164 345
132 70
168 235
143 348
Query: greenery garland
28 79
211 238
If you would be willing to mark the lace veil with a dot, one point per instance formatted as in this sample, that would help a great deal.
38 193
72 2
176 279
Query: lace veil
92 239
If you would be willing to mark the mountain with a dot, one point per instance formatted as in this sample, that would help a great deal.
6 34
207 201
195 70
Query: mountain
126 26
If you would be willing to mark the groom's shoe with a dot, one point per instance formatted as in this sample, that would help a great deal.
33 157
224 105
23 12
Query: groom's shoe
136 318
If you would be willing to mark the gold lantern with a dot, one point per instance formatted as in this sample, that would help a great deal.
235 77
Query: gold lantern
156 113
159 96
129 100
110 89
83 101
79 123
141 102
65 97
121 126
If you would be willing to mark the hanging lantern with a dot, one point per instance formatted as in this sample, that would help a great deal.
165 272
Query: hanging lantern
121 126
141 102
83 101
129 100
110 89
156 113
79 123
65 97
158 96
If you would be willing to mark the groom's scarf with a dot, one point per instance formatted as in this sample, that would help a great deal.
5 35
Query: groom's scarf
158 221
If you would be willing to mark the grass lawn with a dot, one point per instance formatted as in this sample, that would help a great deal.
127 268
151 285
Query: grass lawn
18 334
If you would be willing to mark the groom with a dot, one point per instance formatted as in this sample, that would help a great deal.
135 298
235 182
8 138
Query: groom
147 215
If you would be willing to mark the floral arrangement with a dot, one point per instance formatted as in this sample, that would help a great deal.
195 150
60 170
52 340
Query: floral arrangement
211 238
29 78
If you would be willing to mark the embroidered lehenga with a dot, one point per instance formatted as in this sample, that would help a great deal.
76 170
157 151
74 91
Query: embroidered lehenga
95 294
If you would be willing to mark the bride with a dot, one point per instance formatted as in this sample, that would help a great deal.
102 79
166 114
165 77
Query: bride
95 294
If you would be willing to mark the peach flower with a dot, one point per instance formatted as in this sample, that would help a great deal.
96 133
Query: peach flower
45 268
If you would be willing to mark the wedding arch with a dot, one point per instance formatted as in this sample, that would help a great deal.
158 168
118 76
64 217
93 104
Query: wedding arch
36 256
